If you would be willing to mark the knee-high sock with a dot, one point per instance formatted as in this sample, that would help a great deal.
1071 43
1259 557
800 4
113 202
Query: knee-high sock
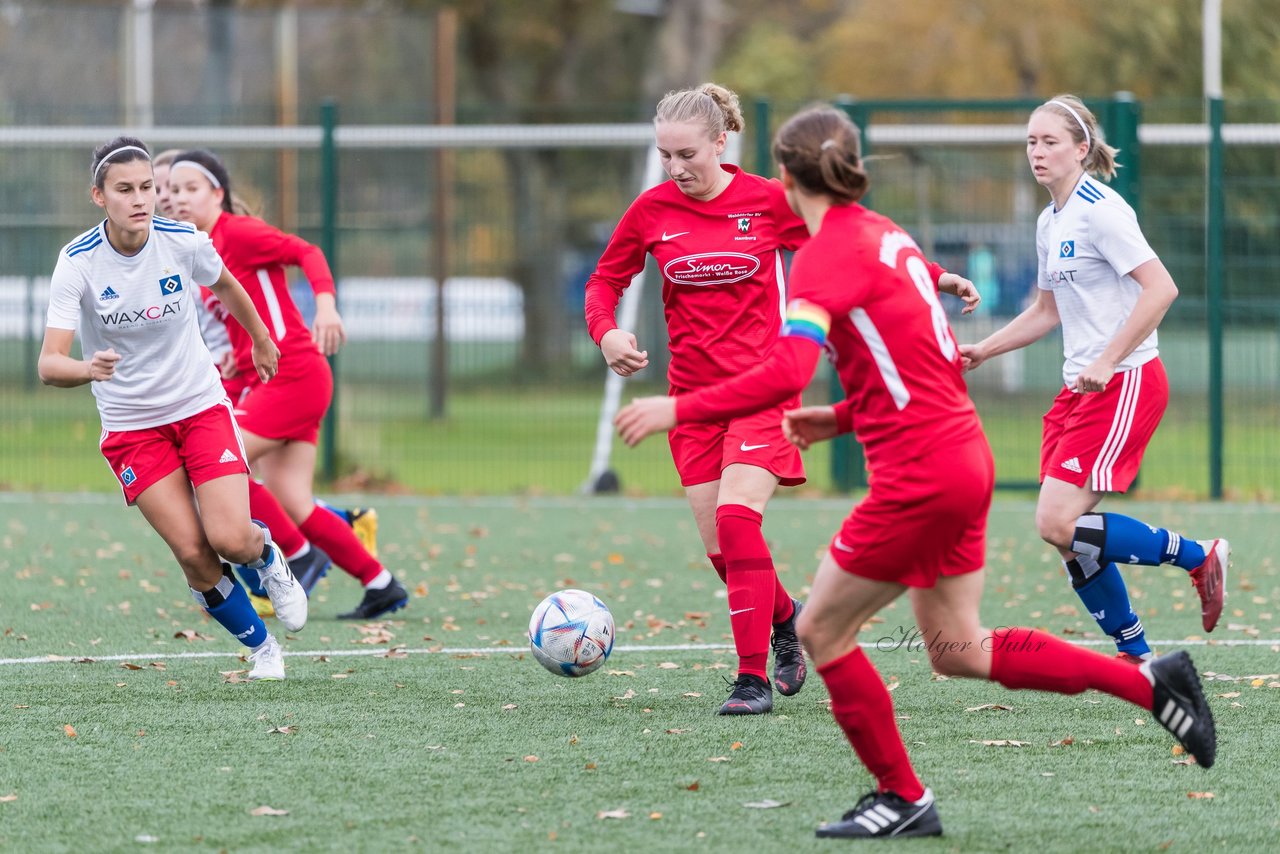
1115 538
264 506
783 607
1105 596
334 536
229 605
863 708
751 581
1026 658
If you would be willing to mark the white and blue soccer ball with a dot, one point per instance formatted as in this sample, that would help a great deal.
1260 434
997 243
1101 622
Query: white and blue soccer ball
571 633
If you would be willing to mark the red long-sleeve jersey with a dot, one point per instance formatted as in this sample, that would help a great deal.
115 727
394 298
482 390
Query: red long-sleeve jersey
861 290
257 253
723 286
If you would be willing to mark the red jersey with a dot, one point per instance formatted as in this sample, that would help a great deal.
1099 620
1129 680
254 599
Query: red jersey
722 273
862 290
256 254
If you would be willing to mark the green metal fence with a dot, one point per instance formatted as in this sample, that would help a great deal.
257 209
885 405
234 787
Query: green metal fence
524 383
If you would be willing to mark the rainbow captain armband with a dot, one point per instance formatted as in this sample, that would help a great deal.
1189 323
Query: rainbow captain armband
807 320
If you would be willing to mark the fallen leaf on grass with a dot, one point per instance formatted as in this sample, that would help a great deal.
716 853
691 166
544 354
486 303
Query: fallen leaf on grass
1063 742
691 694
655 815
737 745
9 798
692 787
629 695
85 660
990 707
1001 742
69 730
191 635
1190 760
1230 695
603 814
668 665
266 810
339 675
510 707
156 665
129 665
1200 796
233 677
283 730
531 758
718 759
766 804
676 731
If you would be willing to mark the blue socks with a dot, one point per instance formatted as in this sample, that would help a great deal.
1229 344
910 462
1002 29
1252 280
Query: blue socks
1112 538
230 606
1107 600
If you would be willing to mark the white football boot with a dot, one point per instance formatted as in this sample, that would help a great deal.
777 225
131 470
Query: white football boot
285 592
268 661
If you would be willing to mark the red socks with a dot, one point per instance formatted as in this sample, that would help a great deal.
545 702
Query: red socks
751 580
1026 658
863 709
335 536
264 507
717 561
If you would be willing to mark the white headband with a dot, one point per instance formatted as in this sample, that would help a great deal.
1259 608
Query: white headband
1087 139
217 185
103 161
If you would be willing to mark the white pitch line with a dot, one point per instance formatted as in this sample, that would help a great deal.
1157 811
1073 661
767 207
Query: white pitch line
489 650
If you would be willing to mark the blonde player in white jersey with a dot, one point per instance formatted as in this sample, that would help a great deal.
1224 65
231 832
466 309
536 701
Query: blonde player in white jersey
1101 281
129 286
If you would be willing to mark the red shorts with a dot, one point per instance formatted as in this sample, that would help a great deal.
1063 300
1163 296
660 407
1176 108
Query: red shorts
206 444
923 519
702 450
291 406
1097 440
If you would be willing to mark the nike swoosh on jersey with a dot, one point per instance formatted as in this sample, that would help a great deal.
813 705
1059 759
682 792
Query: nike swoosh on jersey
746 447
666 236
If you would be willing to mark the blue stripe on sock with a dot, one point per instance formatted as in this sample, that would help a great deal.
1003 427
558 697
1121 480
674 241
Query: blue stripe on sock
237 616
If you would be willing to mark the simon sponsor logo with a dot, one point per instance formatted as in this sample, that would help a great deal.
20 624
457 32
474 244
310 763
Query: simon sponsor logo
711 268
142 315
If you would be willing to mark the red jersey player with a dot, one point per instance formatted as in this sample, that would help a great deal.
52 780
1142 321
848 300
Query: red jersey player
718 234
861 290
281 421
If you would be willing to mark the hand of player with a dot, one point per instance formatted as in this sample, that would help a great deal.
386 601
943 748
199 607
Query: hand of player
102 366
963 288
227 365
644 416
620 353
1095 377
328 331
809 424
971 356
266 358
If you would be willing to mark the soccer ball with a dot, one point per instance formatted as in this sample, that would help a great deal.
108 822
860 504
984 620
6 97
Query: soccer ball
571 633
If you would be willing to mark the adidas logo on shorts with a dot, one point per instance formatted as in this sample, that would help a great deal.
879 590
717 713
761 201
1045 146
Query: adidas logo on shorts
1072 464
228 457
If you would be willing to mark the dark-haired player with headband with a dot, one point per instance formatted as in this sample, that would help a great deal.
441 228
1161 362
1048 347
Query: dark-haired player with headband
281 421
862 292
1101 280
129 286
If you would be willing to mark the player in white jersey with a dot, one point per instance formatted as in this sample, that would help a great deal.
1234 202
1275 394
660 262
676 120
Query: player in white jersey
129 286
1101 280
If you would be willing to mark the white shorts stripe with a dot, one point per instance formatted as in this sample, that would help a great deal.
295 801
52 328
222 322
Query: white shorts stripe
1126 407
235 425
